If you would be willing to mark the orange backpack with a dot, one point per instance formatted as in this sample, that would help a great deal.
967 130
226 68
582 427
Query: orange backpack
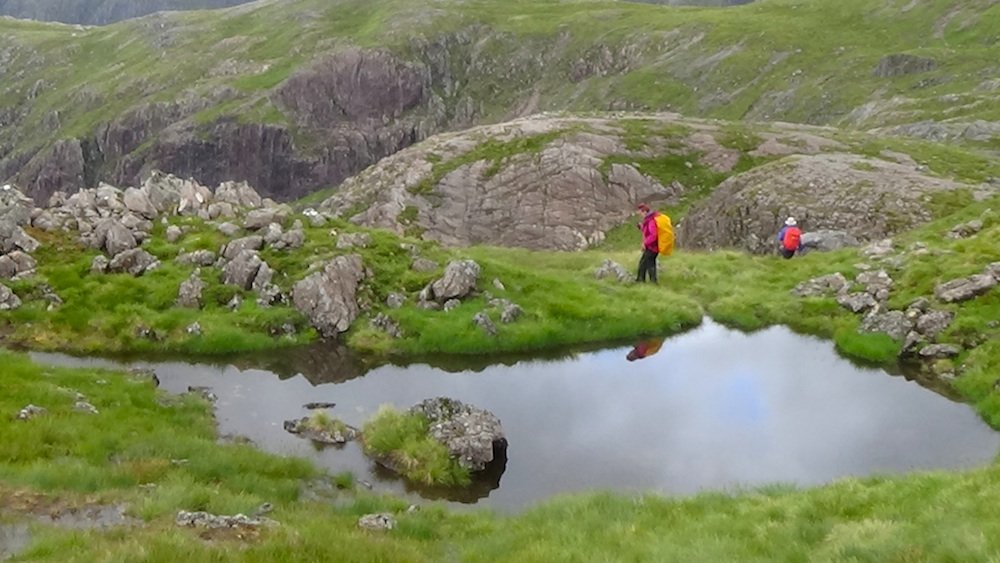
664 234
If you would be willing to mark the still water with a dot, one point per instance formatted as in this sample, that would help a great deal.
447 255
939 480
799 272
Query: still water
710 409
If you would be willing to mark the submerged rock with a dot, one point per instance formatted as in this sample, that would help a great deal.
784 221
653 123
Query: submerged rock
332 432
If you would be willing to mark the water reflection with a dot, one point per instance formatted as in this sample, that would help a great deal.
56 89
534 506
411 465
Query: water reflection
644 349
709 409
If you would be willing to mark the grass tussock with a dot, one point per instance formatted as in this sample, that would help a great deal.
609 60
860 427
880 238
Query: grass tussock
400 441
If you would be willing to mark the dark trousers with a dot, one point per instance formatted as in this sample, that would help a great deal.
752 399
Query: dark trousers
647 266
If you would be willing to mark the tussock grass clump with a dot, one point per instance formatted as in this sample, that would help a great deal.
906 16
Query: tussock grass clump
321 421
399 440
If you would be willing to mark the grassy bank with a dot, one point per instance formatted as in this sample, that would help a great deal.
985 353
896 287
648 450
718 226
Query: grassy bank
159 455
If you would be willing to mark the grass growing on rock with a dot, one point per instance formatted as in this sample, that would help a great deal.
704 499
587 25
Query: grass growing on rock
400 441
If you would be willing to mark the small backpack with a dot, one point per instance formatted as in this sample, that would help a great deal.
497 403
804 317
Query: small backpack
664 234
792 237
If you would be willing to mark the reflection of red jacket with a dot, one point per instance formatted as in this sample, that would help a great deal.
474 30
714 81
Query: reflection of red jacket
646 348
649 232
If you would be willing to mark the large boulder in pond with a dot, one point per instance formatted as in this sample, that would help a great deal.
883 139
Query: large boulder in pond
473 436
329 297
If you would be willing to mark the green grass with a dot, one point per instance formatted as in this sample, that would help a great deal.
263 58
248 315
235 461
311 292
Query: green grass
401 440
321 421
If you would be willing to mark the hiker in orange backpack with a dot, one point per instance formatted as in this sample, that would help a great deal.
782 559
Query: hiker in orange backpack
657 239
789 238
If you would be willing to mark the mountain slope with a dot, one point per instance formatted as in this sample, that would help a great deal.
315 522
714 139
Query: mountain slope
297 95
99 12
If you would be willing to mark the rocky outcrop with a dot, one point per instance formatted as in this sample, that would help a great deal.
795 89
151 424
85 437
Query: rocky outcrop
863 197
473 436
825 240
328 298
135 261
8 299
189 294
556 188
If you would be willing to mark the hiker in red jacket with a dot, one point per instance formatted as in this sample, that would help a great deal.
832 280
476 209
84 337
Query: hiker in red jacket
789 238
650 245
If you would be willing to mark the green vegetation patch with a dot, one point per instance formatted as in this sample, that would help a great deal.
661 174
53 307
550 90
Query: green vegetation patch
401 442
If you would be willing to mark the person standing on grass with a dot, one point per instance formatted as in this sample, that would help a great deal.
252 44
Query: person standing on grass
650 245
789 238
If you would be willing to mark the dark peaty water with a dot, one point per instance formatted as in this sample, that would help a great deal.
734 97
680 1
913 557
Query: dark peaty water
710 409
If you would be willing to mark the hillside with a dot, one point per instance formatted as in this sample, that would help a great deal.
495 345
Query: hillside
99 12
281 93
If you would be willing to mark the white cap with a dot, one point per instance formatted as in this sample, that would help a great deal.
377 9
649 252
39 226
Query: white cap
790 221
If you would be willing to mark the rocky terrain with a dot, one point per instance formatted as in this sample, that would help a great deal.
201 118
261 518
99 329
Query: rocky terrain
233 95
562 182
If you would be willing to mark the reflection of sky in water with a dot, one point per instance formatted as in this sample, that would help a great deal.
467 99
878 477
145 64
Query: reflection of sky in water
712 408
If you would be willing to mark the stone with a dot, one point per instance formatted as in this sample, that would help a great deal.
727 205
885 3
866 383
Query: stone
112 237
30 411
877 283
423 265
451 305
85 407
827 240
228 229
203 392
293 238
459 280
482 320
933 323
380 522
388 325
16 263
893 323
936 351
472 435
99 265
210 521
963 289
221 210
912 342
315 218
611 269
135 261
965 230
242 270
510 313
138 202
174 233
189 294
395 300
878 249
498 285
352 240
337 433
202 258
194 329
238 194
830 284
329 298
260 218
271 233
858 302
235 247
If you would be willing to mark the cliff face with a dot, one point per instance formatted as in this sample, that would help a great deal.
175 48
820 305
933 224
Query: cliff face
298 95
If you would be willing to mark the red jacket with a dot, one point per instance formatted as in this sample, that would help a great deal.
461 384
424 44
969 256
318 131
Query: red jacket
648 227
